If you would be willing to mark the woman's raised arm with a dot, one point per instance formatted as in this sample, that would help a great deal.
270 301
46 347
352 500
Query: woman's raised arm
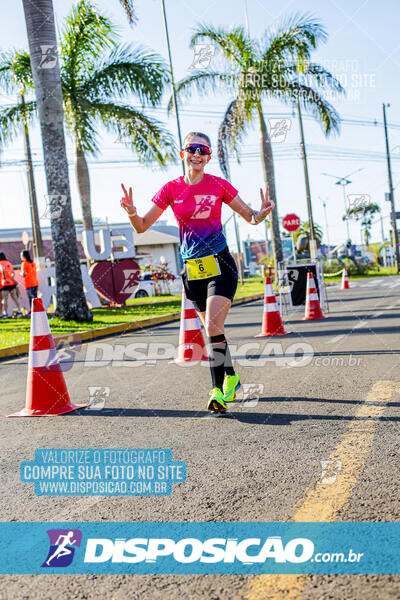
139 224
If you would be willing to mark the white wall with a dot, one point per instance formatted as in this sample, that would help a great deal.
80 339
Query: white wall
165 250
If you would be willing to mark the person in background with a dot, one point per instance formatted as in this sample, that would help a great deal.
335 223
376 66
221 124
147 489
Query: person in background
9 285
28 272
1 299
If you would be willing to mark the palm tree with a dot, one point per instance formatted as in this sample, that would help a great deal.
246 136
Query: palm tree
302 236
363 213
90 80
71 301
278 66
16 78
375 250
127 5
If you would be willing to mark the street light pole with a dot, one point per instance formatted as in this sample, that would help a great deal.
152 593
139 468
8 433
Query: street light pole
390 181
344 185
326 221
313 243
174 101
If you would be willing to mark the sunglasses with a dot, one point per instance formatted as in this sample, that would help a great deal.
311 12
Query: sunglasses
202 148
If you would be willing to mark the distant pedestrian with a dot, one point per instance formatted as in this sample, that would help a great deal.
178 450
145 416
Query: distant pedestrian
28 272
9 285
1 300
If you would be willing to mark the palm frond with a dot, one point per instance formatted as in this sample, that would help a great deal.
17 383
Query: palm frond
296 36
144 135
15 71
313 102
363 210
319 74
231 132
235 45
81 123
12 119
127 70
85 35
205 83
127 5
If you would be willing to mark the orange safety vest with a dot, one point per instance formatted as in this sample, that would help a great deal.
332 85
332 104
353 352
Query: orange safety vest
30 278
8 277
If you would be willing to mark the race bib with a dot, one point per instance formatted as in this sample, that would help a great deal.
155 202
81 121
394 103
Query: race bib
202 268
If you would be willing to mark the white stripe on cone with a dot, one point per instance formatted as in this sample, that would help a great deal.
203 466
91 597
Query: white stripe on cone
313 296
191 324
43 358
39 324
186 302
271 307
269 290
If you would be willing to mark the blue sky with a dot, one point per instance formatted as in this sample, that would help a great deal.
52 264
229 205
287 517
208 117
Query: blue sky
363 51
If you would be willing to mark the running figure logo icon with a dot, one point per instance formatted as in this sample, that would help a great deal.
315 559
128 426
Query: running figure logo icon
204 204
62 547
203 54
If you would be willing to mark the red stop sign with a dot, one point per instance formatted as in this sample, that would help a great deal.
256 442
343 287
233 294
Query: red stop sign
291 222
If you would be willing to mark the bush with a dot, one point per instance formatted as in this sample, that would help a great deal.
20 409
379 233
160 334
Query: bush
359 269
332 265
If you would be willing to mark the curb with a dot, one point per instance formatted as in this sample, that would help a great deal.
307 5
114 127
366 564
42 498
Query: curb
101 332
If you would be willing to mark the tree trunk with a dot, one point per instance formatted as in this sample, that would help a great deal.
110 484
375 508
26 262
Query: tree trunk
269 176
82 176
39 17
36 232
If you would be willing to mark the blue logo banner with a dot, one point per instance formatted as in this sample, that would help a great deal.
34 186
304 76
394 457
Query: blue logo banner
190 548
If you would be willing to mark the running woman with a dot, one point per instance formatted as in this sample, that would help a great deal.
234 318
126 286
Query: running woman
210 274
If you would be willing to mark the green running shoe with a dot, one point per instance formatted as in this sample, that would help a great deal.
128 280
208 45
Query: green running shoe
216 402
230 387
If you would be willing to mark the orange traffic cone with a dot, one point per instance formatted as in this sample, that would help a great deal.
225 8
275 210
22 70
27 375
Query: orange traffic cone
313 307
272 320
345 281
191 342
46 391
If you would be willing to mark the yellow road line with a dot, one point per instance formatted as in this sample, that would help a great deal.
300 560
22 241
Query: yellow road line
321 503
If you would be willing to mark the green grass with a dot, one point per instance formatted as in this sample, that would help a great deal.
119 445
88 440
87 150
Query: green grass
16 331
384 271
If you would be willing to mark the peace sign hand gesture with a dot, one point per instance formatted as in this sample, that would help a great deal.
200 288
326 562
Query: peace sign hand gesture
266 204
127 202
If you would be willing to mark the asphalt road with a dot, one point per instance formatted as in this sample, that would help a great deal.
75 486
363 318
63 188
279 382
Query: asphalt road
331 391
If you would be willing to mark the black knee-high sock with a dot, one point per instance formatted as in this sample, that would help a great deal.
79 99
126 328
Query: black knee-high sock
219 352
229 370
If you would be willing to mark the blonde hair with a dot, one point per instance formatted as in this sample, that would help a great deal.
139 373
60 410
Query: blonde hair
193 134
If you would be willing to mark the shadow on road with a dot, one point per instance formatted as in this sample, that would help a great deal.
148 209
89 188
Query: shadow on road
250 418
359 299
367 328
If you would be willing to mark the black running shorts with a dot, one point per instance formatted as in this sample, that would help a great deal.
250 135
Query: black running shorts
224 284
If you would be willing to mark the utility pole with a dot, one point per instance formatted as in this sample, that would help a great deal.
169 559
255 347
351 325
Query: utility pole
36 233
313 242
174 101
246 18
390 181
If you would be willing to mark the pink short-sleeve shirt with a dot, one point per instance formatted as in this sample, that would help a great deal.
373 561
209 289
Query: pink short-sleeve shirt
197 210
